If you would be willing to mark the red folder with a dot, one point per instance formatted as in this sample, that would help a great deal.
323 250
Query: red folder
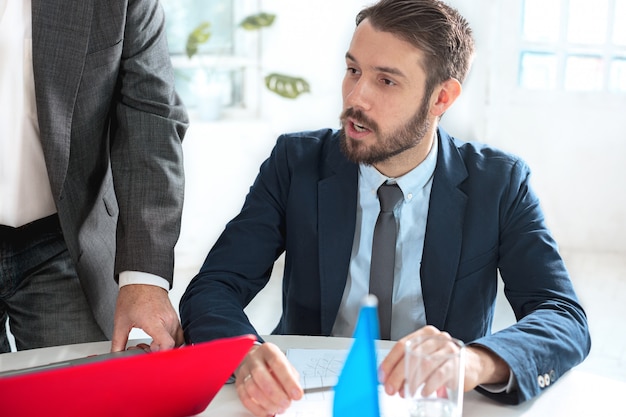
173 383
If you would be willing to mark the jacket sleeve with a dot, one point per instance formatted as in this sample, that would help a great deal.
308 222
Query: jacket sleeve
149 122
551 334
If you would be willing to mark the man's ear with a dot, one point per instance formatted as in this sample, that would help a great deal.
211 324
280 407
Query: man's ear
445 94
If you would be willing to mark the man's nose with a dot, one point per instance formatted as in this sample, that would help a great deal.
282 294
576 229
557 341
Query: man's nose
359 96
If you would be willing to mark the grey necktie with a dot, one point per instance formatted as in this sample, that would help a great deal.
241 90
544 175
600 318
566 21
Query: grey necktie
384 255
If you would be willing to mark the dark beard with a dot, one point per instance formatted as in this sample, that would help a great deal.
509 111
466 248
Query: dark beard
388 145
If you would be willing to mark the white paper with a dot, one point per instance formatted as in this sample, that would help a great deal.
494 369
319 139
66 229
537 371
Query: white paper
321 368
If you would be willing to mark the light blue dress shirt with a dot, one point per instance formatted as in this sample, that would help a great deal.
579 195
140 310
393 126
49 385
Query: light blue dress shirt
411 213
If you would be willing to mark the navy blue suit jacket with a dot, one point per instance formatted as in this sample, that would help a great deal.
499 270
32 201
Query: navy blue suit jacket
483 218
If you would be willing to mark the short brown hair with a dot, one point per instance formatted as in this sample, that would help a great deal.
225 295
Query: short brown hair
431 26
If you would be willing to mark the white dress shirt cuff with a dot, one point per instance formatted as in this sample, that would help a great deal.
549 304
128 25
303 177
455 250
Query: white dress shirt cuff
136 277
499 388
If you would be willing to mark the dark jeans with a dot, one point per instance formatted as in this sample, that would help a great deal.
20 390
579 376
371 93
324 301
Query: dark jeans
40 293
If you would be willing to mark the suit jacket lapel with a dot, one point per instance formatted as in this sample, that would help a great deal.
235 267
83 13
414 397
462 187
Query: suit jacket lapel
442 243
336 221
60 39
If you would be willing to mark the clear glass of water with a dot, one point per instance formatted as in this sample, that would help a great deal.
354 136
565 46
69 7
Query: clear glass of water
434 371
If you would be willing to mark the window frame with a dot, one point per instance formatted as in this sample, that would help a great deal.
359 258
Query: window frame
509 45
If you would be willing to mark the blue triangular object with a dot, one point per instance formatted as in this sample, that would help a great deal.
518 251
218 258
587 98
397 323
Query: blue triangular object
356 392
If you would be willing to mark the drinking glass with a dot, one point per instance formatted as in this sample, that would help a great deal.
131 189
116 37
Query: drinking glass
434 369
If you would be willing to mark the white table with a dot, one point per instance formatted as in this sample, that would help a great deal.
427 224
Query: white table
577 394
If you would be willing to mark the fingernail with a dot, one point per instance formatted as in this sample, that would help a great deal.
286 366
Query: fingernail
381 376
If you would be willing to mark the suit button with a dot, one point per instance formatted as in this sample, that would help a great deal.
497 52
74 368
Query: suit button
552 376
546 379
541 381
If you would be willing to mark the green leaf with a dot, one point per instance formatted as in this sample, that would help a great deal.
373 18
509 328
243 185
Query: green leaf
258 21
286 86
201 34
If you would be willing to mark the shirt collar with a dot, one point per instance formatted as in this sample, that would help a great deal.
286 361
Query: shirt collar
415 179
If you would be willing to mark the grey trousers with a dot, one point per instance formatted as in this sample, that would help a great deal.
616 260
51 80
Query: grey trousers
40 293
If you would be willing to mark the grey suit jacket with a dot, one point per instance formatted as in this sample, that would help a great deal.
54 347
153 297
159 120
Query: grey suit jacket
111 127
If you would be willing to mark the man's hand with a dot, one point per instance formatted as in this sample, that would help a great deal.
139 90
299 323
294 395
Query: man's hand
146 307
481 365
266 382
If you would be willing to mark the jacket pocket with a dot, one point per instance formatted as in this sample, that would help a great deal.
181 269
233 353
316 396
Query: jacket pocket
103 57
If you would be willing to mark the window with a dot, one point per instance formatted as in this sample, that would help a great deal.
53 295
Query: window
573 46
222 69
185 15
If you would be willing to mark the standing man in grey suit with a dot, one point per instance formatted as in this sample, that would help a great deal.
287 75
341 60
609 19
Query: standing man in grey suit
91 173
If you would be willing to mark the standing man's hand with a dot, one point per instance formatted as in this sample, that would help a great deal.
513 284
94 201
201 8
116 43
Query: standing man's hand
149 308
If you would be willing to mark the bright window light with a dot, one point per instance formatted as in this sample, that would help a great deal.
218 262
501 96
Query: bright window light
619 25
541 20
573 45
538 71
583 73
617 81
588 21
